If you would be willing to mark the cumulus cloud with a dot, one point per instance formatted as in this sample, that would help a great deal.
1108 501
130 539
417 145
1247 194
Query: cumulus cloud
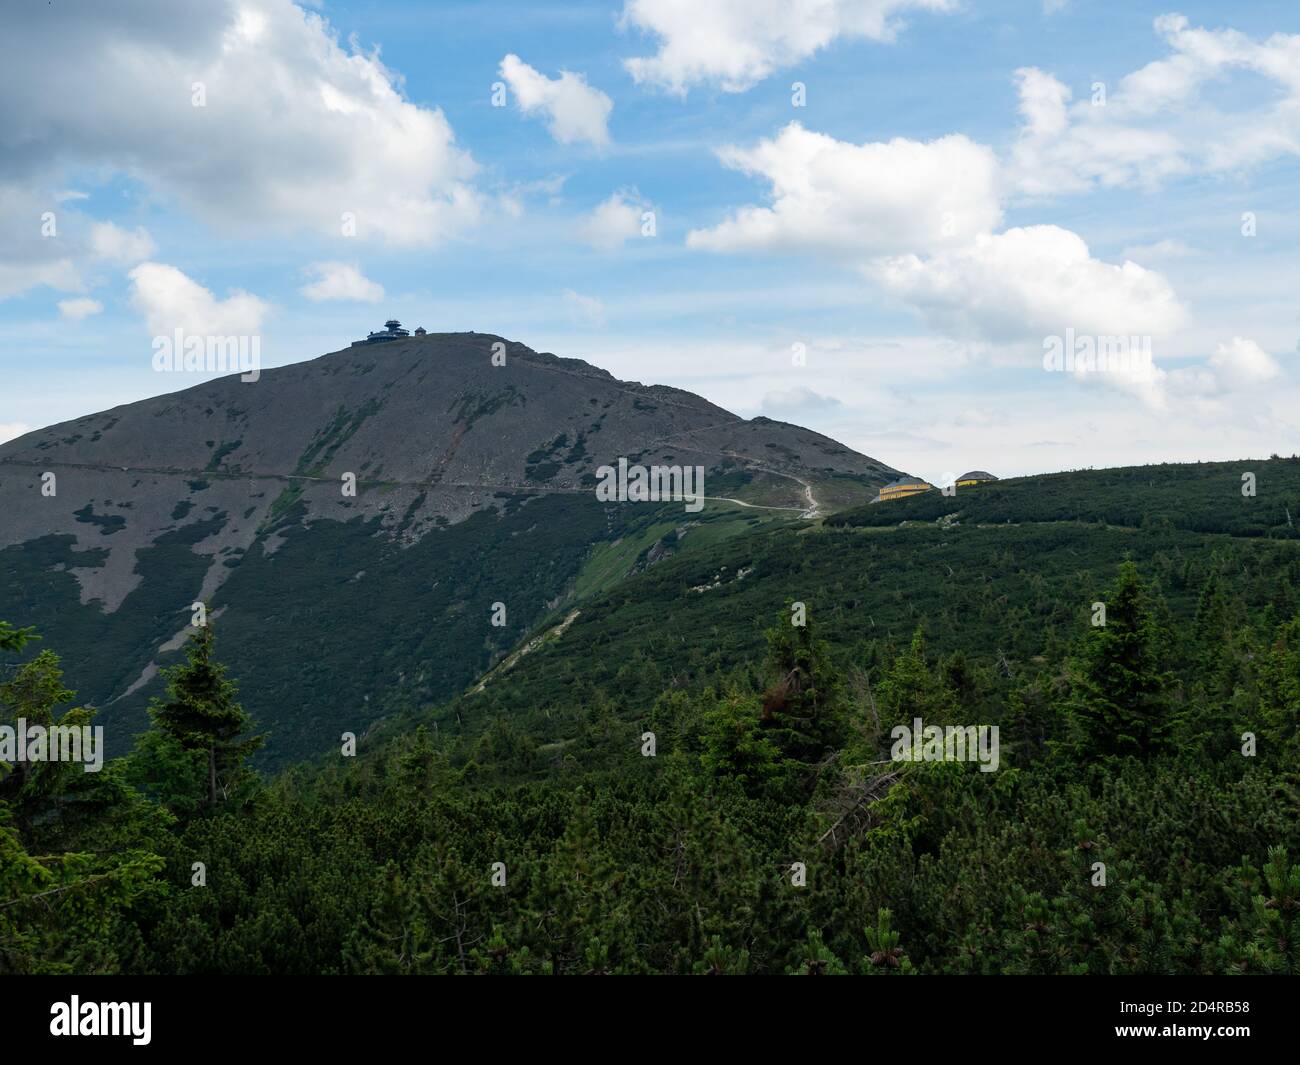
1207 391
170 300
1066 147
340 281
76 309
1029 282
46 240
920 220
1160 120
574 111
294 130
859 200
614 221
1242 363
734 44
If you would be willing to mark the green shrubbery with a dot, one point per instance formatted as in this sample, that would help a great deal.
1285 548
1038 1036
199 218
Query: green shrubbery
1143 818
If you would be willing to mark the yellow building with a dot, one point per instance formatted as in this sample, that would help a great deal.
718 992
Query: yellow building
904 486
974 477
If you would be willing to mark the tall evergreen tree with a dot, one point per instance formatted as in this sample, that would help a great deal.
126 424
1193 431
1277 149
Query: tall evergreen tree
200 712
60 907
1279 688
1120 705
803 706
33 694
1211 614
911 689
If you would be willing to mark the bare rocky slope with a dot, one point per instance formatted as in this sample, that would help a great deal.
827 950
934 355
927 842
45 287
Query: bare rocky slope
474 486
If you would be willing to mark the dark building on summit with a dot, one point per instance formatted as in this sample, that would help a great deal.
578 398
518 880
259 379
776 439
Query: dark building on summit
392 331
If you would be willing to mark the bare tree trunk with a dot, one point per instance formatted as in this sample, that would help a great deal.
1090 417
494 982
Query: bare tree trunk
212 776
460 929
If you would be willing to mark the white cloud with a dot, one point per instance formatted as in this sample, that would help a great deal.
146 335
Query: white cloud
614 221
108 241
296 130
169 300
1241 363
919 219
1027 283
13 430
1213 391
76 309
736 43
1236 368
575 111
586 309
859 200
60 274
40 243
1161 120
1068 148
340 281
44 242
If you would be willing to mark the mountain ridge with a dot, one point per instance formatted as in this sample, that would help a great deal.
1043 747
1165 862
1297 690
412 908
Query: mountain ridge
453 459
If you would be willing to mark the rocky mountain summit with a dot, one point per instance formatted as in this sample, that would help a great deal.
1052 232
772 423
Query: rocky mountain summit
399 449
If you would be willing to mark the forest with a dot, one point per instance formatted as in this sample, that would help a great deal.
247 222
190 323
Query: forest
687 780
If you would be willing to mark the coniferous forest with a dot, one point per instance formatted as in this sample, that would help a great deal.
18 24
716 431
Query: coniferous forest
684 780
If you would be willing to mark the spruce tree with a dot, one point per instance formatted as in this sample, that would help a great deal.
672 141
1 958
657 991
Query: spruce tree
1279 689
803 706
201 713
60 905
910 689
1211 616
33 695
1120 705
12 639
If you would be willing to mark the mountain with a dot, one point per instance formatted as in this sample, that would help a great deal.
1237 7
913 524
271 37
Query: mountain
474 486
670 774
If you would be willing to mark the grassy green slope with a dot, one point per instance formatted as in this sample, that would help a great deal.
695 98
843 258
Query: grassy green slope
1011 596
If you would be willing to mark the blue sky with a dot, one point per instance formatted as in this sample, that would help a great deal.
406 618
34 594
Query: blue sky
950 196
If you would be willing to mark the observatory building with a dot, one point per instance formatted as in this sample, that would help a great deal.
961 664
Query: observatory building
392 331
